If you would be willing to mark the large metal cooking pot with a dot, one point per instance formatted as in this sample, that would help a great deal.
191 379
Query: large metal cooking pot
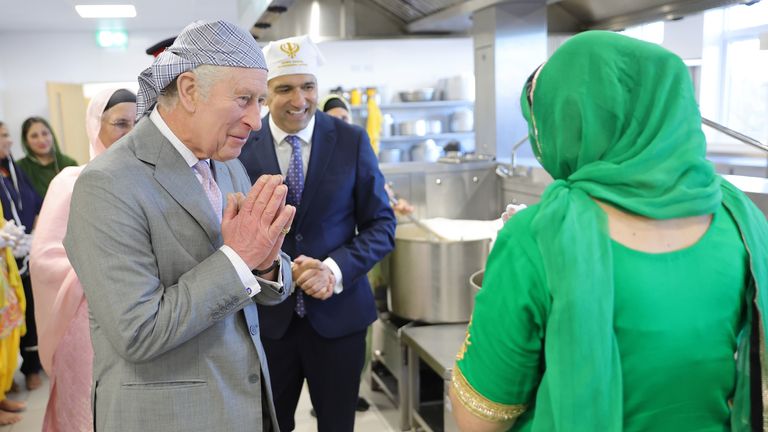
429 276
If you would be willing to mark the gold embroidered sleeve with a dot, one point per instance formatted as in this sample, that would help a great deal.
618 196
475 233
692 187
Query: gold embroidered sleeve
479 405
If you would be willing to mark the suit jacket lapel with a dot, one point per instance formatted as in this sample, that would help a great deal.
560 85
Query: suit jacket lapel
323 142
177 178
264 155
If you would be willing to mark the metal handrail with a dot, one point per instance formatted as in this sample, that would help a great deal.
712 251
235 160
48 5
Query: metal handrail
735 135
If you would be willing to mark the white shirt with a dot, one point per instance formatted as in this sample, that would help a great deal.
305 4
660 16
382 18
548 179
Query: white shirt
251 282
283 151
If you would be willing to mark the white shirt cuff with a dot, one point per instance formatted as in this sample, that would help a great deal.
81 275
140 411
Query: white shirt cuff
252 283
336 273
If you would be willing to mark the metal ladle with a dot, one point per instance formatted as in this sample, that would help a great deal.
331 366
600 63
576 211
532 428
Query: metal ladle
393 200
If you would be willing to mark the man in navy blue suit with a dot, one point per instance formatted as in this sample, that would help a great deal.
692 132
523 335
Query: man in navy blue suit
343 226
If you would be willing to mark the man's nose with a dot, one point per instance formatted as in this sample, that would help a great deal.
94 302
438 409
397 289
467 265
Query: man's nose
298 99
253 117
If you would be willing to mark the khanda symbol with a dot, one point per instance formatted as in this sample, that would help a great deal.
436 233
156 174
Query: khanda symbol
290 48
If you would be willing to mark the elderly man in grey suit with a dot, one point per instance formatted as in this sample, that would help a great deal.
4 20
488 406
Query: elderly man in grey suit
171 282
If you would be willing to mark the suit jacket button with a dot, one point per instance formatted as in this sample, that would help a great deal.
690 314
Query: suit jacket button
254 329
299 237
253 378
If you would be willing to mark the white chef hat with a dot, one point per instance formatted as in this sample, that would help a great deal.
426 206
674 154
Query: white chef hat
293 55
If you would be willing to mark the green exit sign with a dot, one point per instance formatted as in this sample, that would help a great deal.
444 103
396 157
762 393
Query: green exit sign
112 38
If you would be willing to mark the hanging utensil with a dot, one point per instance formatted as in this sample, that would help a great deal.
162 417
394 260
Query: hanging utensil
393 200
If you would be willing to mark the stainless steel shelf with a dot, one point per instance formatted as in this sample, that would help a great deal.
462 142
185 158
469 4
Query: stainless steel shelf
419 105
441 136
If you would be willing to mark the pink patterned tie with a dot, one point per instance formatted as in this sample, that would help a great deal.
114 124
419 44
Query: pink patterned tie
210 187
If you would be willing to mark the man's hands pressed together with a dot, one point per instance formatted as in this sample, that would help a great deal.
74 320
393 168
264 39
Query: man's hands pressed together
254 225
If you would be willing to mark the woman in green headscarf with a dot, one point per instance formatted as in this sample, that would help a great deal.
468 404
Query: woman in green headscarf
44 159
618 302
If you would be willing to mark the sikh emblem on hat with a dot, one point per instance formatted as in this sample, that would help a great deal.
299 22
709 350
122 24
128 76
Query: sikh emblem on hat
290 48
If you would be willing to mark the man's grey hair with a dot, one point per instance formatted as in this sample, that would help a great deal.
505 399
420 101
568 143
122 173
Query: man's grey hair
206 75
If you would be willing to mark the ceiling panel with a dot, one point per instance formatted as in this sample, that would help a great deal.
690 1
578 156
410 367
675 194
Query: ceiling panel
60 15
411 10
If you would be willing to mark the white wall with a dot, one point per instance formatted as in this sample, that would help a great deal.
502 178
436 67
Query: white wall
685 37
29 60
394 65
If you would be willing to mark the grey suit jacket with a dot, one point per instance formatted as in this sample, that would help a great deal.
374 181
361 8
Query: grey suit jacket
175 337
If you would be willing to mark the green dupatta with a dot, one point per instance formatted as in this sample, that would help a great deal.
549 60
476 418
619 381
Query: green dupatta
615 118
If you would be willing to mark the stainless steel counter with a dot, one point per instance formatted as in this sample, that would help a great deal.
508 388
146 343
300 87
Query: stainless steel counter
467 190
432 167
436 346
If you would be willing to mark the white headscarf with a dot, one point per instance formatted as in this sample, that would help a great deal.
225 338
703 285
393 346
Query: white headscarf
93 120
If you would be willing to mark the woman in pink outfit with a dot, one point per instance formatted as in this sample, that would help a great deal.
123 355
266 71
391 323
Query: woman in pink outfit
61 310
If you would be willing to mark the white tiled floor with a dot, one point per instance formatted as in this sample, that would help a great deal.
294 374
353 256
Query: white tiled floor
381 417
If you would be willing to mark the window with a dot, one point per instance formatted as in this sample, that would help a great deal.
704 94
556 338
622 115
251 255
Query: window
745 94
734 88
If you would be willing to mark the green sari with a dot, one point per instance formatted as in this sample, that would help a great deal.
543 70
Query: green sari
615 119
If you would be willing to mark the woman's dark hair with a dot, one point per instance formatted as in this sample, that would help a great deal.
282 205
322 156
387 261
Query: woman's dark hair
27 125
529 86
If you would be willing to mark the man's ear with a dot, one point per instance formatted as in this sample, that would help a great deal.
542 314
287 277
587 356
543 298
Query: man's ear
186 85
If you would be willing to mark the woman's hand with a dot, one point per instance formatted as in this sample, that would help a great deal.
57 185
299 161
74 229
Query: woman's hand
511 210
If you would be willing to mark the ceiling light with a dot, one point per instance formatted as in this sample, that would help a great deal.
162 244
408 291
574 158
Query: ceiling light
106 11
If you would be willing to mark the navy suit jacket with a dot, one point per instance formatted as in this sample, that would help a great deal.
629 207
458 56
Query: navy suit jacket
344 214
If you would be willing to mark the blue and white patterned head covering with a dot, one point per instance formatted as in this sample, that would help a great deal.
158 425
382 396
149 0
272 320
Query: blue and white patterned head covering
218 43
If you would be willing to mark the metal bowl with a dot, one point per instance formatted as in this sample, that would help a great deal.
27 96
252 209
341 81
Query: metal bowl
476 280
412 128
418 95
390 155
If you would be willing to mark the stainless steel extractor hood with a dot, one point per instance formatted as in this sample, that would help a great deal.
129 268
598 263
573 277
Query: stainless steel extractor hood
358 19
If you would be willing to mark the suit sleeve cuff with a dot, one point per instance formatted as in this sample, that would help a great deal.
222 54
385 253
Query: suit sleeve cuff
336 273
250 281
277 285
